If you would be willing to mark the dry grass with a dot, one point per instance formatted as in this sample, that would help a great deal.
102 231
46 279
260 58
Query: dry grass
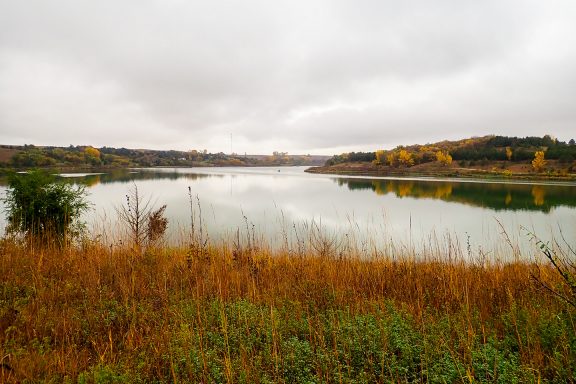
6 154
101 313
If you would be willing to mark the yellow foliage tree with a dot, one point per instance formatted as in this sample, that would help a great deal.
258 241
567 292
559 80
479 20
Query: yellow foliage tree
391 159
91 151
443 158
380 157
405 158
538 163
509 153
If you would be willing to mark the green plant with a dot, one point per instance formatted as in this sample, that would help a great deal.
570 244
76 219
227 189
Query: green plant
40 206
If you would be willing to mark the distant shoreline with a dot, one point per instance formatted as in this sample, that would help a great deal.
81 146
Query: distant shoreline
104 169
492 171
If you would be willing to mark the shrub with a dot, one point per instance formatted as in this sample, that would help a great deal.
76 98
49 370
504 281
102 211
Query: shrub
146 226
41 207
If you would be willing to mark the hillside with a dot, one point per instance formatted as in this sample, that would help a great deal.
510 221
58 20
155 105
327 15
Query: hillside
106 157
490 156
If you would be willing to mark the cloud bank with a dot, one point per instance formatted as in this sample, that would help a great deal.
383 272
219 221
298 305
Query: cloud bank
318 76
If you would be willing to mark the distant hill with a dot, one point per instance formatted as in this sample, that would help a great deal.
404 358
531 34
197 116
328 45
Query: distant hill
487 156
475 149
107 157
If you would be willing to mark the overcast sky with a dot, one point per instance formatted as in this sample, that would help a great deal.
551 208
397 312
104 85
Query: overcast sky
313 76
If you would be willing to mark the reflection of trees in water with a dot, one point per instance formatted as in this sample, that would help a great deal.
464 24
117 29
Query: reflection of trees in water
405 189
538 192
91 180
498 196
128 176
443 191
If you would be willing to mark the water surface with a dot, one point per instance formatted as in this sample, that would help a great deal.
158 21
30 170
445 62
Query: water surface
277 203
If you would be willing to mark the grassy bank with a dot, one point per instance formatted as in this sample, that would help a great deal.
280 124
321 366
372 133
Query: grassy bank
100 313
498 170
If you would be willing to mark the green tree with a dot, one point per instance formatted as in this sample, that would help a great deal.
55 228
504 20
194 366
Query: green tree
43 208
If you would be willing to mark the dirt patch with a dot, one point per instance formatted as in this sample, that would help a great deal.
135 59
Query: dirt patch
6 154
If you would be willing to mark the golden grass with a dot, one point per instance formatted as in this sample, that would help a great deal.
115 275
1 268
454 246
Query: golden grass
95 304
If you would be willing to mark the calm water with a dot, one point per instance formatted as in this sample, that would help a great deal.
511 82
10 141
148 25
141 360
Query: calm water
280 203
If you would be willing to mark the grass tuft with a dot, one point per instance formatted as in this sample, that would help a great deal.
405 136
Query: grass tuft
97 314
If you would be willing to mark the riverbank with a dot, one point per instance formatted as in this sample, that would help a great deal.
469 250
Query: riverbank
490 170
30 156
99 312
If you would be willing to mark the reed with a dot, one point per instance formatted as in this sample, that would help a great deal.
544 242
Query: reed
239 311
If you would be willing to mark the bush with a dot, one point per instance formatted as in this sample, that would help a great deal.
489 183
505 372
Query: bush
146 226
41 207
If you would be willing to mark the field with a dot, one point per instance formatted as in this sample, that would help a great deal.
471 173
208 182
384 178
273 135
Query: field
100 312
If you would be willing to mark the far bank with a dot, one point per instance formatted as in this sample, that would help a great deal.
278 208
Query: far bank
482 170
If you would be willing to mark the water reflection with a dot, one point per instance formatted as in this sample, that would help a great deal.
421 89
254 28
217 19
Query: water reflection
497 196
279 202
92 179
129 176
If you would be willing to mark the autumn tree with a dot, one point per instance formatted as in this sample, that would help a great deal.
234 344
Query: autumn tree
92 155
538 163
91 151
443 158
509 153
391 159
193 154
405 158
380 157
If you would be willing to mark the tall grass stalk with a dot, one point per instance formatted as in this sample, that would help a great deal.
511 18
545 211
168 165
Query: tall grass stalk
317 310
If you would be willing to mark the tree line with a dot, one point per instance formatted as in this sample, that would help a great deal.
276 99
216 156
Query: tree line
487 148
29 156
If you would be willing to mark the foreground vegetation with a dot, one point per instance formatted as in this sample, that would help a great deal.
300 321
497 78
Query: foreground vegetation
129 308
99 312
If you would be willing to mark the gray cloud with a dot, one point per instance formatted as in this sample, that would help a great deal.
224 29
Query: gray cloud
316 76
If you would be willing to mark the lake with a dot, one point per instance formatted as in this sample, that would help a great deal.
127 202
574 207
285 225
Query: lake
283 204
